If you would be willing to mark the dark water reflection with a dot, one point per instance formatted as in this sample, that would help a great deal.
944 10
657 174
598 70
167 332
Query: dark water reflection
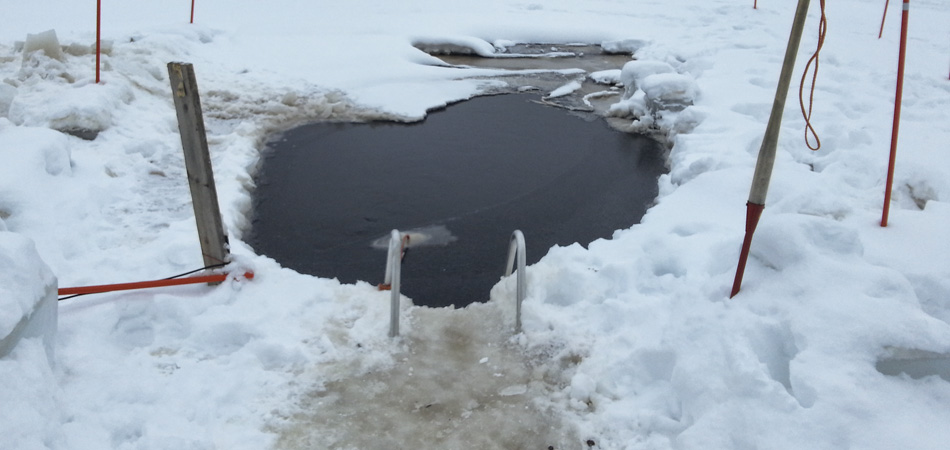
480 169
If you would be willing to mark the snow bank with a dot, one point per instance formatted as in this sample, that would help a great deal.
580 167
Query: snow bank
633 73
669 91
31 413
33 158
655 96
459 45
27 295
629 46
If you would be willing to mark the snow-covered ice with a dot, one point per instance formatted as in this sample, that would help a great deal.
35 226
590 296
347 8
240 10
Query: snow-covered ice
628 343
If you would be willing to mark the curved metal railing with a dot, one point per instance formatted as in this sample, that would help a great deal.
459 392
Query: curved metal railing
516 250
391 280
397 247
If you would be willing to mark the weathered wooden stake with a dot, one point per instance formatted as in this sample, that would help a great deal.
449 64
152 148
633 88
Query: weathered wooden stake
766 158
204 197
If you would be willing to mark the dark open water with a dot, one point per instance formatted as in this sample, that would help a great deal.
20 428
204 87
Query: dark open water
479 169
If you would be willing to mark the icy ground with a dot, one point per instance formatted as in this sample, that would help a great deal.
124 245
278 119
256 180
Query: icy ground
629 343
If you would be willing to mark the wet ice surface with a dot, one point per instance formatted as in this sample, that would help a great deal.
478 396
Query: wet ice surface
547 67
590 58
461 382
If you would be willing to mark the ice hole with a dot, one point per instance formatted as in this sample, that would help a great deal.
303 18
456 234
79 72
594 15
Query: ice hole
461 181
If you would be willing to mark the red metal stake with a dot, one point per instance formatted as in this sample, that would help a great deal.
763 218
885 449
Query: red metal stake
881 33
192 11
98 35
752 214
897 113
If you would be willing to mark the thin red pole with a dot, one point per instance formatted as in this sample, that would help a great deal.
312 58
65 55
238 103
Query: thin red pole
881 33
98 35
897 113
192 11
217 278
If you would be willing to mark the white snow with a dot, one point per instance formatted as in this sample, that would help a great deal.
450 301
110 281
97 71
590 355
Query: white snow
28 289
630 46
611 76
628 343
634 72
566 89
669 91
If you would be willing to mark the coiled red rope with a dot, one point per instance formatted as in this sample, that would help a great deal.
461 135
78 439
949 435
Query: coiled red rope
806 113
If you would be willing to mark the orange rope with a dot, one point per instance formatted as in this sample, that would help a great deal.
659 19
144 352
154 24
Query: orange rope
809 129
217 278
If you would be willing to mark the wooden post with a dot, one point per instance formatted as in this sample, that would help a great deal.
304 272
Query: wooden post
204 197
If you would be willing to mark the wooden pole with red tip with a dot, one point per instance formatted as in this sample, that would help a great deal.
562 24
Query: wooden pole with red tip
897 114
766 158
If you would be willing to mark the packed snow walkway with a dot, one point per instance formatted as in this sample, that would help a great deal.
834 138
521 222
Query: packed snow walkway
461 380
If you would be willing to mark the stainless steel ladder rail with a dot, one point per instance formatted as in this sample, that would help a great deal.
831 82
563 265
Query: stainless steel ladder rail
392 277
391 280
516 250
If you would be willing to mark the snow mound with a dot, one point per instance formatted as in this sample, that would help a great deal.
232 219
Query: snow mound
611 76
78 107
623 46
669 91
459 45
634 72
566 89
27 294
28 151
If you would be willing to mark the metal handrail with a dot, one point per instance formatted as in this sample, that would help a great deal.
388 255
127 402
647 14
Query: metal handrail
516 249
391 280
